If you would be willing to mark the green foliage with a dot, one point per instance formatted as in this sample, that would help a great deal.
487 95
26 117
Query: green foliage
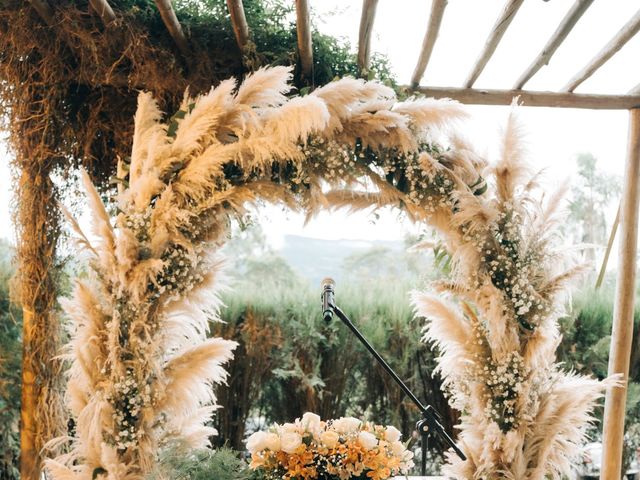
10 370
273 34
178 462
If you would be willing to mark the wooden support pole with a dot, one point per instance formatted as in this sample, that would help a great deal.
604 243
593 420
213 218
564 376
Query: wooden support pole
173 26
499 28
430 37
619 40
364 35
533 98
238 22
607 252
566 25
303 31
44 10
622 330
104 10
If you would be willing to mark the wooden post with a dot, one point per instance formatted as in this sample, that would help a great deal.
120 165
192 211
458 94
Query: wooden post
622 331
303 31
238 22
364 35
30 460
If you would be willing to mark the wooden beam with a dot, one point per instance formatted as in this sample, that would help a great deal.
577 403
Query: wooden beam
238 22
44 10
618 41
430 37
499 28
533 98
104 10
566 25
364 36
303 30
173 26
622 330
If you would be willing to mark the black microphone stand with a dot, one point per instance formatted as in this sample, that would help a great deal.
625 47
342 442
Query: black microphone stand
430 421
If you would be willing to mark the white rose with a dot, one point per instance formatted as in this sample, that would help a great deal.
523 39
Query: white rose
329 439
398 449
289 442
272 442
346 424
311 422
367 440
392 434
256 442
289 428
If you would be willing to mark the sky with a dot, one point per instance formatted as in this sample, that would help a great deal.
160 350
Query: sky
554 136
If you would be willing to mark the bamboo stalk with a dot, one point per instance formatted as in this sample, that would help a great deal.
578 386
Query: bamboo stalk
532 98
493 40
364 37
104 10
238 22
618 41
173 26
607 252
566 25
303 30
430 37
622 330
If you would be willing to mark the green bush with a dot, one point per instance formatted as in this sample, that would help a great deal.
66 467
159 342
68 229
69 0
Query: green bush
290 361
180 463
10 370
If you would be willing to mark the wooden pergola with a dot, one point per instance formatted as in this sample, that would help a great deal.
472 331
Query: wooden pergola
466 93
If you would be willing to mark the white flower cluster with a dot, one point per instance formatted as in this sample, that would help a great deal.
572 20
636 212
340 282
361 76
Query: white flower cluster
333 160
139 223
128 399
182 272
504 381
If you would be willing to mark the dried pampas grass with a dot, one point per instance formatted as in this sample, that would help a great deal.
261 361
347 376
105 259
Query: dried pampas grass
142 369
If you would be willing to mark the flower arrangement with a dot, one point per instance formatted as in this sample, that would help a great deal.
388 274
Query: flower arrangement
344 448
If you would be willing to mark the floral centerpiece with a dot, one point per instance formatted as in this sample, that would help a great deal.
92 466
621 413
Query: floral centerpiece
344 448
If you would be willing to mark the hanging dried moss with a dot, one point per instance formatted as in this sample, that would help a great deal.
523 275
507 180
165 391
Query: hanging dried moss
68 90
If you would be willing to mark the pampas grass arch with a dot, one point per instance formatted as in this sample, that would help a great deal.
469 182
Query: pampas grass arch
141 363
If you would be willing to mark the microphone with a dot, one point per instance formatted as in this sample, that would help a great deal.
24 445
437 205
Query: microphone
328 299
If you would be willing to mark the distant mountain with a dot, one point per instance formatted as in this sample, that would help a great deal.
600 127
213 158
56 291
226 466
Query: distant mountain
315 259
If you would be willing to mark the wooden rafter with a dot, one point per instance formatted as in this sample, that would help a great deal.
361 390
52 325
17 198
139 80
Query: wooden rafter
364 36
499 28
534 98
104 10
430 37
238 22
173 26
610 49
566 25
44 10
303 30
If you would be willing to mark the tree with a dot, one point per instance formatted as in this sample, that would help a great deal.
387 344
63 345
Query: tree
592 193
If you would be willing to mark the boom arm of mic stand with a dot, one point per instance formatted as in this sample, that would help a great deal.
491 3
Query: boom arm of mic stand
431 418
